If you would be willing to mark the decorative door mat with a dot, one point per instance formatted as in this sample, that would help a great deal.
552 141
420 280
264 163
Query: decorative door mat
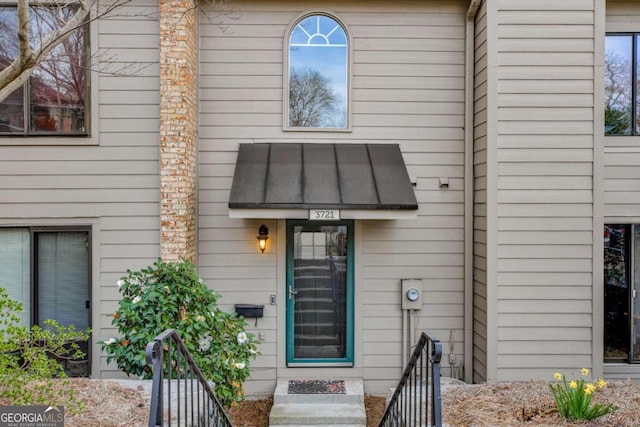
316 387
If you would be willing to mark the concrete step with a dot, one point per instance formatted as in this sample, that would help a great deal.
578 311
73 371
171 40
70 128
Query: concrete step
337 410
308 414
353 388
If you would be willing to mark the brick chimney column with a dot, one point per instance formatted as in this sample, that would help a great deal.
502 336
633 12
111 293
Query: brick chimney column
178 128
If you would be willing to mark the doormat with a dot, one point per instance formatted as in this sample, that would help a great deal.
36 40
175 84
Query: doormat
316 387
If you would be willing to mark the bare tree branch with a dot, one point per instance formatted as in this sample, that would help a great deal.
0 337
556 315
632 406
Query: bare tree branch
21 68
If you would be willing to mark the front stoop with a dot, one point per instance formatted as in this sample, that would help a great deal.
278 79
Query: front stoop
338 410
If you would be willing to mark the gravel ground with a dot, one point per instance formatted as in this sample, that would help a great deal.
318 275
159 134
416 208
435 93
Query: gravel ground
109 404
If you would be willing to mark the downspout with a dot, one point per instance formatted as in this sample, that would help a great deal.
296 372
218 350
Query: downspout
468 188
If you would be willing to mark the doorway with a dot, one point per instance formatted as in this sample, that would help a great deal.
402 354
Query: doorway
319 293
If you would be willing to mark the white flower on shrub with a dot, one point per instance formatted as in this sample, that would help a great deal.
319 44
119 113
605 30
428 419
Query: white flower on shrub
242 338
239 365
200 318
204 344
120 283
110 341
136 299
252 351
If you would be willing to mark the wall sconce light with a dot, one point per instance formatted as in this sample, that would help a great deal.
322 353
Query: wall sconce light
263 235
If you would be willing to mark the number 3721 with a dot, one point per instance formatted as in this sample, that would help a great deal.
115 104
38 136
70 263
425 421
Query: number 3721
324 214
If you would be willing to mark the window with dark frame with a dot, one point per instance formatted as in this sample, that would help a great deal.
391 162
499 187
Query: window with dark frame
621 293
54 100
621 115
47 269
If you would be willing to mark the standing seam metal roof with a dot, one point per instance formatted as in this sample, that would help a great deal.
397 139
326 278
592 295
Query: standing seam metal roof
321 176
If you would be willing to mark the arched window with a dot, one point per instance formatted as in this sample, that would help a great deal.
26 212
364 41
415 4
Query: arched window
318 74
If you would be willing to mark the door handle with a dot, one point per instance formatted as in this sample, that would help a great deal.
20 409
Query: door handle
292 292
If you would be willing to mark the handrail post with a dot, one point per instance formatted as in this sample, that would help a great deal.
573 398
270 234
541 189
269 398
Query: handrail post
436 398
153 354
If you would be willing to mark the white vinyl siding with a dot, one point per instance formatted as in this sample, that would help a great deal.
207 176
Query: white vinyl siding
480 200
112 183
621 170
544 154
407 88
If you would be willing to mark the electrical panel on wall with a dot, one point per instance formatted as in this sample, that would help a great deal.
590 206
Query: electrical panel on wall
411 294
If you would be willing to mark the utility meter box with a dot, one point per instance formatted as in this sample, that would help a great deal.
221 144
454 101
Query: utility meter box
411 294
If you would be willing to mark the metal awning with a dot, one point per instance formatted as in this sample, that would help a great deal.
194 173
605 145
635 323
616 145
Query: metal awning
285 180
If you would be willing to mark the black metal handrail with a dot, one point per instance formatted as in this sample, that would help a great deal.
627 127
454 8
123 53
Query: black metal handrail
413 403
195 401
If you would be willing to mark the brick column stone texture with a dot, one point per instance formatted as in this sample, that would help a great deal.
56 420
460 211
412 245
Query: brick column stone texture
178 128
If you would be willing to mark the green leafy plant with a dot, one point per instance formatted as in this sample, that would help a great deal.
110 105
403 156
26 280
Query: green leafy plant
172 295
31 371
573 398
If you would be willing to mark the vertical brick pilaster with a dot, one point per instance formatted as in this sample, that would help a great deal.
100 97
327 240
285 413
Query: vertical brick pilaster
178 128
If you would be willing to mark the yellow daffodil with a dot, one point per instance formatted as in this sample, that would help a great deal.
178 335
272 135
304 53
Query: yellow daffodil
589 388
573 398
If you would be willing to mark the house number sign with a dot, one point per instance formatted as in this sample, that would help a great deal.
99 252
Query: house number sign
324 214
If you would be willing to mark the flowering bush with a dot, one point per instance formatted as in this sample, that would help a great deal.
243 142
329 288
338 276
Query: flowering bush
171 295
573 398
30 359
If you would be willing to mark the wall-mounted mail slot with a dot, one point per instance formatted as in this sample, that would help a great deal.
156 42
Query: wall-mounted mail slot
250 310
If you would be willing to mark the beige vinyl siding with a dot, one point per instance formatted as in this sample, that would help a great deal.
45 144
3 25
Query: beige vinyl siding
111 184
128 128
407 88
480 200
621 168
545 86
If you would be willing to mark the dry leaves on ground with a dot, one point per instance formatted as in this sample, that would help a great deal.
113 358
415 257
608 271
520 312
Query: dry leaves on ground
251 413
532 404
109 404
105 403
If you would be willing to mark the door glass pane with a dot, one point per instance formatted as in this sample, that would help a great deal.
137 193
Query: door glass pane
320 283
15 274
616 293
636 294
63 278
617 85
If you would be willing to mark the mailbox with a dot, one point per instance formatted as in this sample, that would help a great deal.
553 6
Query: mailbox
250 310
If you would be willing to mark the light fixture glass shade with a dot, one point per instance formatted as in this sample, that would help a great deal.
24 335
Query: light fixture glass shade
263 235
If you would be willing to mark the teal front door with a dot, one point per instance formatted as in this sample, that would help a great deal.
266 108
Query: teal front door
319 293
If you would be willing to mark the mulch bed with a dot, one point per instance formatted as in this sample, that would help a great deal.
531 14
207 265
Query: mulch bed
108 404
531 403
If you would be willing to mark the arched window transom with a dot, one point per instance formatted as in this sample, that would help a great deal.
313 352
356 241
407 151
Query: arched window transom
318 73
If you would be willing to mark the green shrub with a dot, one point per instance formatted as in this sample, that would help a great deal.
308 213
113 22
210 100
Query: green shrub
171 295
30 359
573 398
